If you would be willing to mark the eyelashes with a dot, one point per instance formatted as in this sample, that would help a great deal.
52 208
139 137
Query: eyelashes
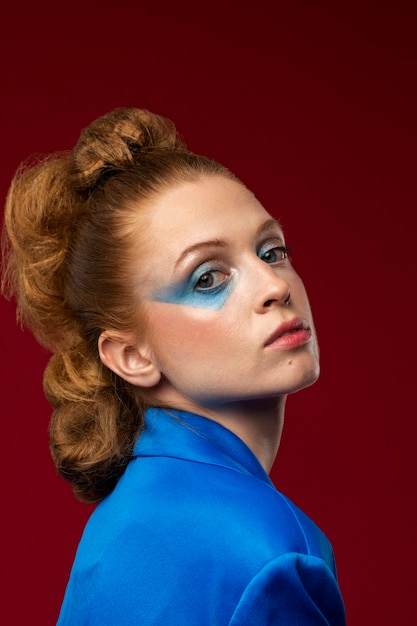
208 287
210 284
211 276
273 254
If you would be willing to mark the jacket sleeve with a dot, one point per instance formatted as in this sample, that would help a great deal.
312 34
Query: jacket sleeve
291 590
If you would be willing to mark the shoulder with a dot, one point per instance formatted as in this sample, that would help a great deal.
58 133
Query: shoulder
177 535
199 507
288 589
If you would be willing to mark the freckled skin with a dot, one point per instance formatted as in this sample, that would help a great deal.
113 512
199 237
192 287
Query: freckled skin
210 345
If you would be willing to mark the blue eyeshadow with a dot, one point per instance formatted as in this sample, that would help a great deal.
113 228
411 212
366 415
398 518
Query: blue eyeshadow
184 293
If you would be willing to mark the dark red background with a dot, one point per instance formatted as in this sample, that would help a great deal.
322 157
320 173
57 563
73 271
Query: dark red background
313 105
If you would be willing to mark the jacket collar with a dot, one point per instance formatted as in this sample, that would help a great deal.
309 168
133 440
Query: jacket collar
183 435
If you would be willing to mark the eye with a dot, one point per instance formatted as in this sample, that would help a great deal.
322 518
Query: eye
210 280
274 254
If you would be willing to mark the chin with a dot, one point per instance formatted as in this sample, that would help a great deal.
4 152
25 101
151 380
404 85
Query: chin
310 379
304 379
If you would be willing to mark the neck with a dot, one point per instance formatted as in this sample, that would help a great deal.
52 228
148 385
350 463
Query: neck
258 423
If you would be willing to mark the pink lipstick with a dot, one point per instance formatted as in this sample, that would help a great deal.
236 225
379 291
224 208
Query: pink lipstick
289 335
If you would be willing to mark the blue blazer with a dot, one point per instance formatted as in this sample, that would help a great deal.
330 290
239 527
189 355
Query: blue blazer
195 533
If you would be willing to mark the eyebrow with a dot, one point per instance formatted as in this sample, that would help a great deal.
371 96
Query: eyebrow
267 226
219 243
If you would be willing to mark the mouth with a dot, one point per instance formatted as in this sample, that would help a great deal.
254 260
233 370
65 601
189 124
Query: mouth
290 334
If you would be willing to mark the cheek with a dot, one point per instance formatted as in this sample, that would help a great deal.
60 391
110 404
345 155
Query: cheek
302 303
179 333
299 294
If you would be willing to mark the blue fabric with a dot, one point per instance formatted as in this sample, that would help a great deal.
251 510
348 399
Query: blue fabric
195 533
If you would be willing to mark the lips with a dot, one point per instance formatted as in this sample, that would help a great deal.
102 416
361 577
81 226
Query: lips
290 334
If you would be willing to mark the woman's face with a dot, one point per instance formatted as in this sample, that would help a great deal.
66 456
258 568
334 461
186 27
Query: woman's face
228 318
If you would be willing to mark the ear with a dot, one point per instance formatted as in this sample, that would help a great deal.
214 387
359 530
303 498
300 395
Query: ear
128 358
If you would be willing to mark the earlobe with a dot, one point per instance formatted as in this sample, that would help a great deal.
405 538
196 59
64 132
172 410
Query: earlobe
121 353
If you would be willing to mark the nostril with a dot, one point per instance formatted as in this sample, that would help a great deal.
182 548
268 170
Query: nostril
268 303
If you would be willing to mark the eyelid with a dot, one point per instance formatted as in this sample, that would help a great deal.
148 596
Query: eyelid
272 235
206 266
280 254
219 282
273 242
285 249
213 265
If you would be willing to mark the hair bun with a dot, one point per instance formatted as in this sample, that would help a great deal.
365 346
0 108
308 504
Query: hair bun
115 142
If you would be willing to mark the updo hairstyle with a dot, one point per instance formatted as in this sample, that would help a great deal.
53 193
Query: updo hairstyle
71 228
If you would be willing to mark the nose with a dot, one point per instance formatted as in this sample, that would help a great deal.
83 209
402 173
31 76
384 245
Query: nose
272 288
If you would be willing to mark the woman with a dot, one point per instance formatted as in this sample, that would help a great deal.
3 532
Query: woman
178 327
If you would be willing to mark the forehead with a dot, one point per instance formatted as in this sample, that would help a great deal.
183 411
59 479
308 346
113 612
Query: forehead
209 208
